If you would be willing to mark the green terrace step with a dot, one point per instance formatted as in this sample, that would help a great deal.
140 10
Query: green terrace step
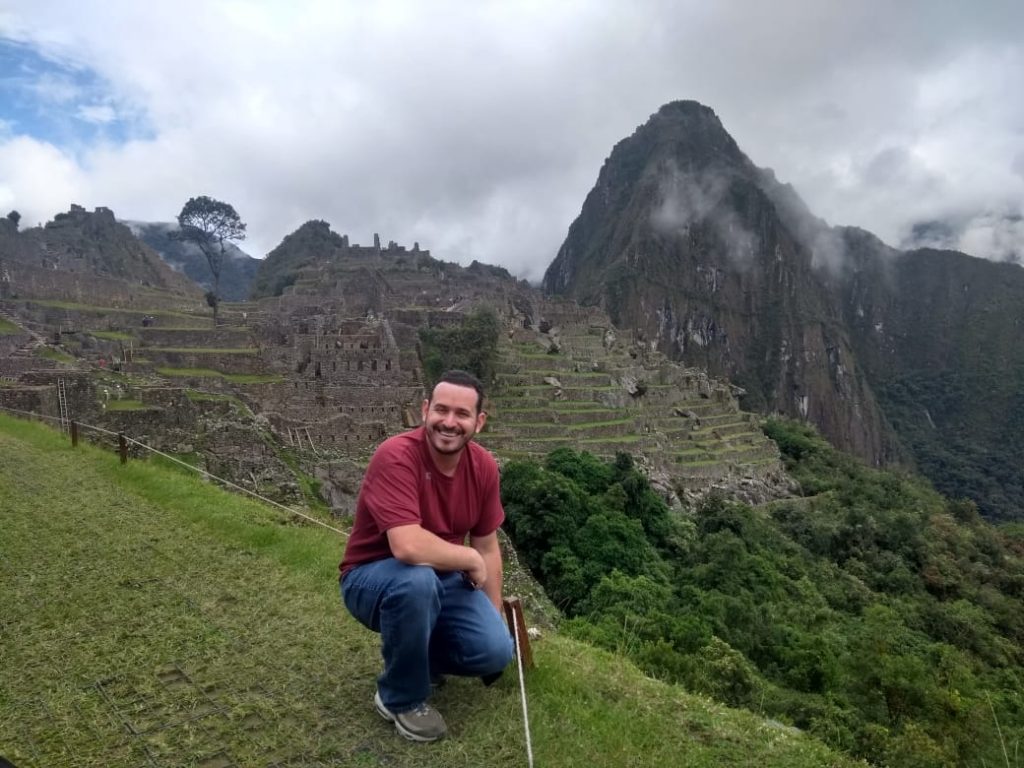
709 419
693 454
152 351
534 431
522 402
577 416
746 451
689 426
733 441
606 445
582 417
552 371
701 408
722 430
761 462
514 363
621 428
578 392
565 378
633 439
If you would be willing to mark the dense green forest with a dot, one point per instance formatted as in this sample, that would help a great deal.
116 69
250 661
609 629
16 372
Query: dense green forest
871 611
952 419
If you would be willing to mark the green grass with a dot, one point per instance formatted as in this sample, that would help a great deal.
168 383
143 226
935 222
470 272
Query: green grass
112 335
52 353
254 378
127 405
210 397
196 373
150 619
206 350
209 373
193 329
7 328
79 307
584 425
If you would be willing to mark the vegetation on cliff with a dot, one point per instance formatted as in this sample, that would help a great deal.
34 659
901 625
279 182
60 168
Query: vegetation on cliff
312 241
472 346
872 612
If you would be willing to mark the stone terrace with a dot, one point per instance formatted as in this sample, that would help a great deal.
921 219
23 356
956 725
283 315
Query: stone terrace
576 385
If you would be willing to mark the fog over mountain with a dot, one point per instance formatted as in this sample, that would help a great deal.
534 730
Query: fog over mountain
237 271
476 129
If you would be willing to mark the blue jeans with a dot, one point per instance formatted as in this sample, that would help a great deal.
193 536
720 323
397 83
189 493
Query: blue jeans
430 622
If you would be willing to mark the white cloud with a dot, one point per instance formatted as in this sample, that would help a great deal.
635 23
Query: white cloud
96 113
478 128
52 89
38 180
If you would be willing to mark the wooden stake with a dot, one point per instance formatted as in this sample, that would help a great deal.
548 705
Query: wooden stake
122 447
513 607
74 434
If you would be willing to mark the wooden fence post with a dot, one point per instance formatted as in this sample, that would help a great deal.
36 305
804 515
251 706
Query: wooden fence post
122 447
514 608
74 434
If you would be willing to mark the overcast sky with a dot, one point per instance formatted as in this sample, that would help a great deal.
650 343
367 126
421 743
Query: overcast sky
477 128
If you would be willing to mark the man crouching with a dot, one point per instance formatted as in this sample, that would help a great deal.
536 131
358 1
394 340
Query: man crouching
407 573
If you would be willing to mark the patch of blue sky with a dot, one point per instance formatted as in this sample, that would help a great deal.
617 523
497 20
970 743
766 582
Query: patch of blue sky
62 102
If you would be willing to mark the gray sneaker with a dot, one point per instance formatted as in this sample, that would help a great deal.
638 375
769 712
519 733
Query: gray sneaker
423 723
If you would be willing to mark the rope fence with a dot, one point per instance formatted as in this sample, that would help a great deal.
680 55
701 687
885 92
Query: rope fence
124 440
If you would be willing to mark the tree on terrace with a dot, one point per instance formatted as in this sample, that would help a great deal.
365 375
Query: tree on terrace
209 224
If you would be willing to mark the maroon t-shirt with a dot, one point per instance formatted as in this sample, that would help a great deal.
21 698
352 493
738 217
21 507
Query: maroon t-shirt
403 486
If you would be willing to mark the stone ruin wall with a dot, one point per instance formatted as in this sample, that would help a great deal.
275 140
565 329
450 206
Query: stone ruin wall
349 381
219 338
26 282
13 367
36 390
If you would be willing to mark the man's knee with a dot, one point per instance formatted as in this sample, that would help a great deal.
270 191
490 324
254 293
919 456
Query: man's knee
390 588
495 651
416 583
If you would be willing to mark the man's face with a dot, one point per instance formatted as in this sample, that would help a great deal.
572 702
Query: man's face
450 417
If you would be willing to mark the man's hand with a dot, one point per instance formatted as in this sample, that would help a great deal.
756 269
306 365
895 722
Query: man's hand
477 575
490 555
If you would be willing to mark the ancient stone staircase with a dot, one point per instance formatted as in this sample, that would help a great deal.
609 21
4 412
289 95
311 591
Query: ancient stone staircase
19 352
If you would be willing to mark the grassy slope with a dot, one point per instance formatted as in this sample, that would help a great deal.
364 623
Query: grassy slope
149 619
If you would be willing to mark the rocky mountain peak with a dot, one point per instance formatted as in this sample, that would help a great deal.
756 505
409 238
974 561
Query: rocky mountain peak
711 260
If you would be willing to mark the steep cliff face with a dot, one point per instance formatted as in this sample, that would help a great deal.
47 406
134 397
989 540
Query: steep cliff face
940 334
712 261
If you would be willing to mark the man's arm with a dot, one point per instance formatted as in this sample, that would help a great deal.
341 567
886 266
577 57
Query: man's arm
414 545
490 552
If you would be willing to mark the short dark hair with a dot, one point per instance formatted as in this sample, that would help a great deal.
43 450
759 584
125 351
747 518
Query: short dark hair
462 379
